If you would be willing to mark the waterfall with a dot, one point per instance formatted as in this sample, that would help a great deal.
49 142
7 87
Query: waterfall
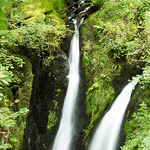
65 131
106 136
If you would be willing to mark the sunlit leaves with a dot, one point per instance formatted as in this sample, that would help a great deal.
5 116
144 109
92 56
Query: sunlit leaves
8 120
4 76
5 146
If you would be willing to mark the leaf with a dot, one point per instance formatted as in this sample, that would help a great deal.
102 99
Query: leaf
17 100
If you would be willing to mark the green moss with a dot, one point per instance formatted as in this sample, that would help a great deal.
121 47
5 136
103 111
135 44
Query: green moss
24 92
98 70
99 96
37 18
132 32
16 139
87 29
36 7
54 19
35 12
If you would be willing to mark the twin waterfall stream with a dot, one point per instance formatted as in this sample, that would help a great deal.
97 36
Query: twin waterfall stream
107 133
65 131
106 136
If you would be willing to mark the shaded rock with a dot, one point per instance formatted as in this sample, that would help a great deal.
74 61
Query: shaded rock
43 94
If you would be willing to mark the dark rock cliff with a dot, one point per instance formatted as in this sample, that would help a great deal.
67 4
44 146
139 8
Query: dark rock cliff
44 90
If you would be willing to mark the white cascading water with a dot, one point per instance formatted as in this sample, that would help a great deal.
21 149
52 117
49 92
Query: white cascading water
106 136
65 131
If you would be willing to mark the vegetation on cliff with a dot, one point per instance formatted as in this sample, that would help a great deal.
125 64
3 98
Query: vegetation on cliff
115 44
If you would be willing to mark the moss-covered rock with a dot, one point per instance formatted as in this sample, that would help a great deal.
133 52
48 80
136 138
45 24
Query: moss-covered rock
37 18
54 19
24 93
36 7
98 67
87 30
38 11
45 60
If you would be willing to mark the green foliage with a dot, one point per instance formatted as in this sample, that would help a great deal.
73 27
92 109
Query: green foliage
4 76
14 19
52 120
99 96
5 79
5 146
146 76
10 63
2 19
8 7
52 117
14 106
37 38
8 120
118 27
98 70
138 130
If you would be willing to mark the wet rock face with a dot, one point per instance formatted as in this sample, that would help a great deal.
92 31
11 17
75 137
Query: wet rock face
46 81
